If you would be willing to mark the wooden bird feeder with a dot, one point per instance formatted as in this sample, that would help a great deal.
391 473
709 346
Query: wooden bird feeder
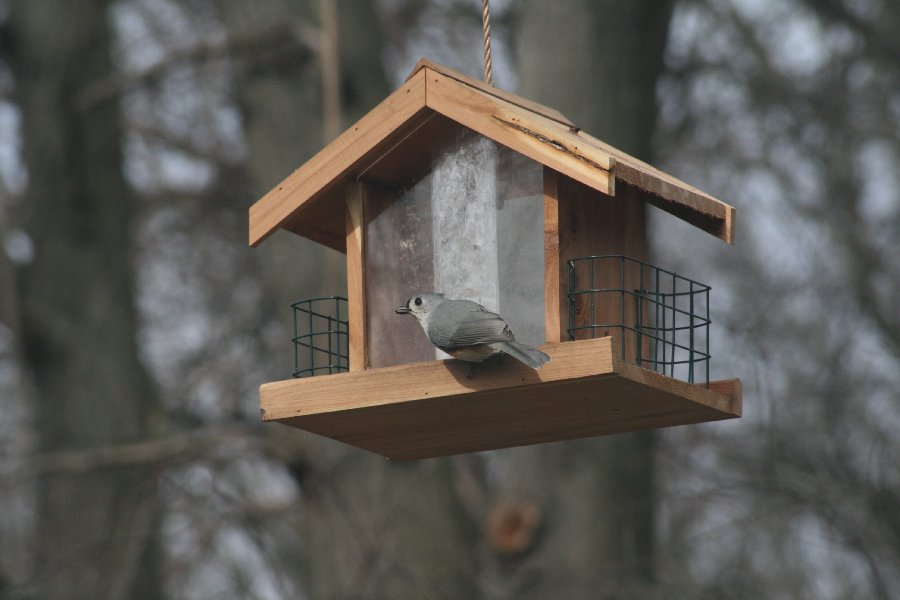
454 186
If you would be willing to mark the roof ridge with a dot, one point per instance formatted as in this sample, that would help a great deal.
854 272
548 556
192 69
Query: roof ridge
541 109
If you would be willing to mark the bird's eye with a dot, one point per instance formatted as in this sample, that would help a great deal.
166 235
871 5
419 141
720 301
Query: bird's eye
418 301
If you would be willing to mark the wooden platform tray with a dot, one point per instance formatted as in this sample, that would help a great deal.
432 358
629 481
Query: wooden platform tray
431 409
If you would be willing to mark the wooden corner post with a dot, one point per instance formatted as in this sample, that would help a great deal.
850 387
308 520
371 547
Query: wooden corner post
553 267
356 275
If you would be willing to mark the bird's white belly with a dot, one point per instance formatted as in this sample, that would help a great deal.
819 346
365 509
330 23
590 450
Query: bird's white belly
476 353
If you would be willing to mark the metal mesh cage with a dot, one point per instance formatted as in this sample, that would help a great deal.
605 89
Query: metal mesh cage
661 318
320 336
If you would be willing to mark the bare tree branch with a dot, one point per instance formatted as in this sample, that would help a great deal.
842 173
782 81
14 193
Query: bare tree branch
226 440
268 44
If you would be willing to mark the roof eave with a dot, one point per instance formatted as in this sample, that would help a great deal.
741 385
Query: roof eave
301 188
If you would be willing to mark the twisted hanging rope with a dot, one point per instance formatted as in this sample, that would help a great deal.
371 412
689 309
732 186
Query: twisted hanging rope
486 26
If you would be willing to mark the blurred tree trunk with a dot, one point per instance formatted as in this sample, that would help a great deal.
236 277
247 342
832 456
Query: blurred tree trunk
282 104
96 529
598 63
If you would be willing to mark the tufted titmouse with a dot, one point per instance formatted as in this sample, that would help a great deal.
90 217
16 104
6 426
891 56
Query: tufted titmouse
468 331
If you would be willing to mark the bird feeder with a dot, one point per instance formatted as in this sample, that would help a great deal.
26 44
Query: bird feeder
453 186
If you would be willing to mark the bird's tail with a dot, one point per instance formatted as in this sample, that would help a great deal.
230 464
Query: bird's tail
532 357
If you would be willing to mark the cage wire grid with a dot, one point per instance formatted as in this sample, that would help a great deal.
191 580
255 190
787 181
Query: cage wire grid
321 336
663 322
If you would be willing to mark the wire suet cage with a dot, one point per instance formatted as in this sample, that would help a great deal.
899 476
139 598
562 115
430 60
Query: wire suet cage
320 336
661 318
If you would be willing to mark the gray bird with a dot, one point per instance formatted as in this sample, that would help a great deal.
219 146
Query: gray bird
468 331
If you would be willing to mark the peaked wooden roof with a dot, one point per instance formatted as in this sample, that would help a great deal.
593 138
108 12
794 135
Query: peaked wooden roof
389 143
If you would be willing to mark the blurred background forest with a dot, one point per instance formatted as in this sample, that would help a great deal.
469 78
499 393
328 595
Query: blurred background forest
136 325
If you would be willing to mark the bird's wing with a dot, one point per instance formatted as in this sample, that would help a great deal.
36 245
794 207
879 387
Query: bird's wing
476 325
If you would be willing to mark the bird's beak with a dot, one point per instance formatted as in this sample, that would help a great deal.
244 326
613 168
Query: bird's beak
402 310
